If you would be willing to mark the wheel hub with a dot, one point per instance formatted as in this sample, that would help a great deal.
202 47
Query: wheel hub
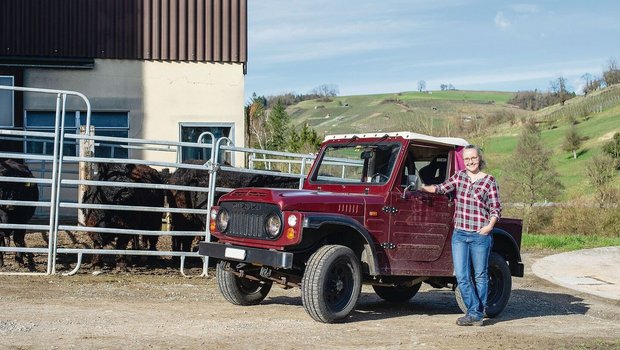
339 285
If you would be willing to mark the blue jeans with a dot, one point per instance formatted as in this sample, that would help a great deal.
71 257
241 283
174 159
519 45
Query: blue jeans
471 249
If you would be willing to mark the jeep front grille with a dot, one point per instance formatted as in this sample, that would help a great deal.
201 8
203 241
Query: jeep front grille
247 219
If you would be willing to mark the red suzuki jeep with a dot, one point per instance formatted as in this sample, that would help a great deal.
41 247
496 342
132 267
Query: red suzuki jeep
360 218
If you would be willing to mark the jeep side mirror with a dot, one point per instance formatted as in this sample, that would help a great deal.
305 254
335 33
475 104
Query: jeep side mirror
413 184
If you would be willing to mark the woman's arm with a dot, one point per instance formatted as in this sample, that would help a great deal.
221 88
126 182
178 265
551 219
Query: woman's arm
427 188
495 209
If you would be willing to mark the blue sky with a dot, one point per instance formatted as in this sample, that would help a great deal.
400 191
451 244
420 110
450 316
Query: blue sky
377 46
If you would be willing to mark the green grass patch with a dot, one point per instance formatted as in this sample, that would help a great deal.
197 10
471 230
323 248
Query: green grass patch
566 242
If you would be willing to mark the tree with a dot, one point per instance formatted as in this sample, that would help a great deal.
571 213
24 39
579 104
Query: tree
572 141
443 87
601 171
277 125
559 90
256 120
591 83
612 148
612 74
530 174
325 91
421 85
307 141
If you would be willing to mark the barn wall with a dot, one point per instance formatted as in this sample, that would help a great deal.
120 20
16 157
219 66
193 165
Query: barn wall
158 95
183 30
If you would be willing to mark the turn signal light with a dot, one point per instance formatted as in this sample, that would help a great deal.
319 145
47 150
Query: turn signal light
290 233
212 225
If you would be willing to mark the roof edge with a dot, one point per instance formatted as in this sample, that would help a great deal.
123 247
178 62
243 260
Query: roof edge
452 141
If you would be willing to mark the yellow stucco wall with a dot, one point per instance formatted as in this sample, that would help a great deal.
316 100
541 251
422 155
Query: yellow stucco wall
158 95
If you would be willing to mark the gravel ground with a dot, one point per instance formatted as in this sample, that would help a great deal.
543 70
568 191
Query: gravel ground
158 308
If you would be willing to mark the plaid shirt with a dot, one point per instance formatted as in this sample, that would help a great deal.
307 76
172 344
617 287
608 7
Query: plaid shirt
476 202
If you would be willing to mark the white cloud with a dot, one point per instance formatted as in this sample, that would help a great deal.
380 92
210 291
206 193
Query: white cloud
501 21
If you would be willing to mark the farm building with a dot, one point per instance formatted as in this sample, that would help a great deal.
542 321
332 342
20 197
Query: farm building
152 69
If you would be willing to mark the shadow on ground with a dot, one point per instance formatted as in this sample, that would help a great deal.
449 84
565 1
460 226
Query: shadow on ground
523 304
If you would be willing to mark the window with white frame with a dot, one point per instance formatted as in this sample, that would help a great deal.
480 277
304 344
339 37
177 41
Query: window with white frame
190 132
7 101
114 124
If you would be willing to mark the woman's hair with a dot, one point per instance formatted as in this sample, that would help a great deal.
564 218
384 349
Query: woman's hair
482 163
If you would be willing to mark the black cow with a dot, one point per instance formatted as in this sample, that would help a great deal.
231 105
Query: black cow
119 195
16 214
199 200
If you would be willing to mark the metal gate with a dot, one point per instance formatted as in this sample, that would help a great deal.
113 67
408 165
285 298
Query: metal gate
69 175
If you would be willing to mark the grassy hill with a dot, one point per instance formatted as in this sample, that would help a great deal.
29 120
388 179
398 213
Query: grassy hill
395 112
453 113
597 118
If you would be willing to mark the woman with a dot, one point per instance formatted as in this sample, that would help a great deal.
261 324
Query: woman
477 210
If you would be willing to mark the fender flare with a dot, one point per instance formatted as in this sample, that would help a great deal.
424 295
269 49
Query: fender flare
515 250
316 221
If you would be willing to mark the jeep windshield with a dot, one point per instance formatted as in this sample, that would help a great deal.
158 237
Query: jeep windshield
365 163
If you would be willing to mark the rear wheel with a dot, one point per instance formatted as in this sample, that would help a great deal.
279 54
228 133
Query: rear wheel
500 286
239 290
331 284
397 294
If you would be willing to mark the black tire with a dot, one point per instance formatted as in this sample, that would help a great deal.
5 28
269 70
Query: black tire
331 284
397 294
238 290
500 286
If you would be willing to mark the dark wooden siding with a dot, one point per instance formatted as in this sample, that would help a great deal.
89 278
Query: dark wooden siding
176 30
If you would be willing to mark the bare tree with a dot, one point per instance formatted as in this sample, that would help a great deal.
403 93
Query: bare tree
612 74
559 89
601 171
257 121
326 90
591 83
421 85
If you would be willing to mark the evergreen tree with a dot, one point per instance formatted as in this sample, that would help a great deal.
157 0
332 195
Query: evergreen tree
306 141
310 141
294 142
530 174
572 141
277 123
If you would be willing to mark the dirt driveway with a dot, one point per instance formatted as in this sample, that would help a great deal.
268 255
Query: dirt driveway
164 310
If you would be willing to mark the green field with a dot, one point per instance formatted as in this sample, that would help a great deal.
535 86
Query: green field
567 242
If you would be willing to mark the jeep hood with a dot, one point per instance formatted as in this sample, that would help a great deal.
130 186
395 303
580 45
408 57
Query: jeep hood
305 200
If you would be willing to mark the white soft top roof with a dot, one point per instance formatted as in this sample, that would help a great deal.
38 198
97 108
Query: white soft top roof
451 141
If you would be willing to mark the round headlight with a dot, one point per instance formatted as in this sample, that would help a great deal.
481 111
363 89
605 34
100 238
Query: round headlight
292 220
221 220
273 224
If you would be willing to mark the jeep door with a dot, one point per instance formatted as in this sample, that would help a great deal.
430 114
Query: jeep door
421 222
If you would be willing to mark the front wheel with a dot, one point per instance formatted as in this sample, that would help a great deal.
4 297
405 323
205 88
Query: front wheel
500 286
239 290
331 284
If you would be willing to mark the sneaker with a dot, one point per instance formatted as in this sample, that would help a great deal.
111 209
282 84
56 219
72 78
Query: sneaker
468 321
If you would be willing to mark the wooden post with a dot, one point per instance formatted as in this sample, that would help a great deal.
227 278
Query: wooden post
87 149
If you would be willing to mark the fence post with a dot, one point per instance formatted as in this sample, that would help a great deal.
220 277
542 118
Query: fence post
87 149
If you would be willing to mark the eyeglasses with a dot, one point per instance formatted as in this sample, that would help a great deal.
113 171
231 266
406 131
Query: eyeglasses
472 159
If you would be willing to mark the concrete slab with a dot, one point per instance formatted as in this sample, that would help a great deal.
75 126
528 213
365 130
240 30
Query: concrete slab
593 271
